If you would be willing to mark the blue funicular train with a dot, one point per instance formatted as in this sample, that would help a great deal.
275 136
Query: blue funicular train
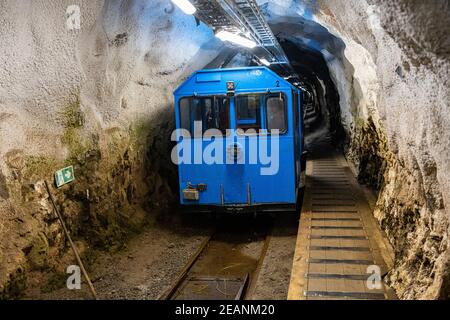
240 141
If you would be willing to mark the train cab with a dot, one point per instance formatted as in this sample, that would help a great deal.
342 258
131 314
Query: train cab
240 141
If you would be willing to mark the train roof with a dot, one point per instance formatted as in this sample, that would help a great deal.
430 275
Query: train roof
247 79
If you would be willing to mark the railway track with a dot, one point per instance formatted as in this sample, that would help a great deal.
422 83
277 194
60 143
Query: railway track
225 266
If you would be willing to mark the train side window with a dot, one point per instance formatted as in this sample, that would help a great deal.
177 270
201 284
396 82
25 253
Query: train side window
248 112
212 112
276 113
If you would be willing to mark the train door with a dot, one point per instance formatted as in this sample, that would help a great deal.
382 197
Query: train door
233 187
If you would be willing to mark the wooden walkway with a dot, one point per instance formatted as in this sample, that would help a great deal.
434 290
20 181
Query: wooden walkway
339 243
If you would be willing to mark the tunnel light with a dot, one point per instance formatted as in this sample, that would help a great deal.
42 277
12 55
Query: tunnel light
185 5
265 62
237 39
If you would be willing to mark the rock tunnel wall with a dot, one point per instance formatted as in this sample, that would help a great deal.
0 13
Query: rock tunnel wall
390 63
98 98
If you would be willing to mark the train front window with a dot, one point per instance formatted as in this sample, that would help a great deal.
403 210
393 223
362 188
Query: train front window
211 112
276 113
248 112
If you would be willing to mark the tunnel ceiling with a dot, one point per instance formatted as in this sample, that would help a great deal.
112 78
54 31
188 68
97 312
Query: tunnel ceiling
382 64
310 47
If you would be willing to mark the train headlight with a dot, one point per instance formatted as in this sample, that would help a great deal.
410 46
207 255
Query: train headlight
236 39
186 6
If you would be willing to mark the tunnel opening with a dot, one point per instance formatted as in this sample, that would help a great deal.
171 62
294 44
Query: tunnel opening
314 73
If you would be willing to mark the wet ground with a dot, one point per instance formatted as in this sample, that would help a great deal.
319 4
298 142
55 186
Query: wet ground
230 260
275 274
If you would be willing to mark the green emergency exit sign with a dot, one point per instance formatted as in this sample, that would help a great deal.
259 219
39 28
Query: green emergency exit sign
64 176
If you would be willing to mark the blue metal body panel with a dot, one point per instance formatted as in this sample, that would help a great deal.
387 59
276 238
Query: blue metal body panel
236 184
